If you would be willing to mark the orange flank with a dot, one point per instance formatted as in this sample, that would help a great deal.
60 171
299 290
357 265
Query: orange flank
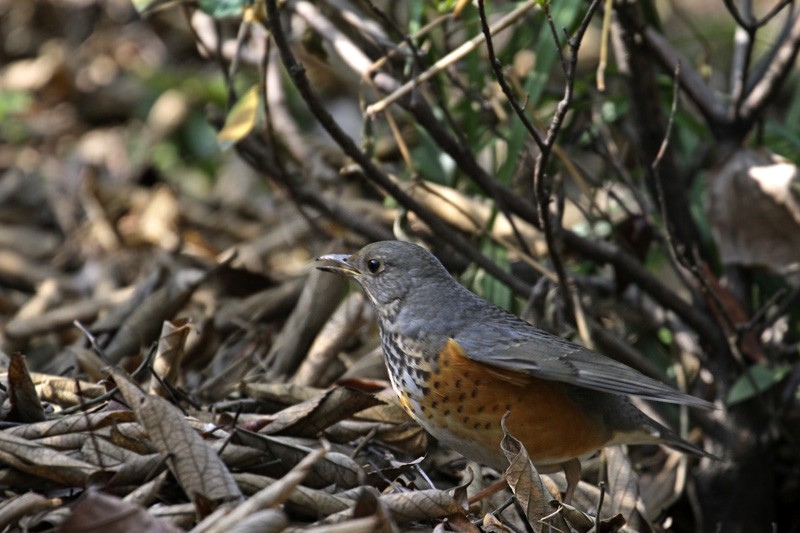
468 399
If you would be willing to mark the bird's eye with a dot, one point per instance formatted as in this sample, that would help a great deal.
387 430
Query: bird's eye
374 265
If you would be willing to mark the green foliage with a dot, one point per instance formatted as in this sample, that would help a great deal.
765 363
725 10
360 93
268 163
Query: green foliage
12 105
758 378
566 14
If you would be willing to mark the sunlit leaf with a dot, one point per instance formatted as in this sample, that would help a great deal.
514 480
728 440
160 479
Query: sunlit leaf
245 115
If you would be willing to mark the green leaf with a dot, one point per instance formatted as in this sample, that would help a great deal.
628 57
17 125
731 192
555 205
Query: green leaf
566 14
665 336
244 116
223 8
759 374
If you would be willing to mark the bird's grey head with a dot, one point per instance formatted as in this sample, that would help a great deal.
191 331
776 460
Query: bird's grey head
389 270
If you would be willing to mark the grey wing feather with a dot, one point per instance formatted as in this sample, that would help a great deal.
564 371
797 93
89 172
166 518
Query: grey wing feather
547 356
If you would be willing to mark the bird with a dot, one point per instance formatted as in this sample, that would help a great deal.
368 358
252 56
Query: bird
460 364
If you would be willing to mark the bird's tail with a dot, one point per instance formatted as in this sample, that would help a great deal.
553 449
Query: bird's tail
652 432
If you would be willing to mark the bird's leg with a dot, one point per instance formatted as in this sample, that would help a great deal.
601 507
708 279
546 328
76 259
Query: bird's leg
572 471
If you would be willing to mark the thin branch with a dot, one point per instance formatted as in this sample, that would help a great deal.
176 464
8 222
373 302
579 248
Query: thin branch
604 252
501 79
452 57
783 62
605 34
371 171
455 147
744 40
691 81
552 225
671 121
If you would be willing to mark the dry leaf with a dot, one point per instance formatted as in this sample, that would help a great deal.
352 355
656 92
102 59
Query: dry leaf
167 363
313 416
143 325
37 460
524 481
623 483
196 466
25 404
98 512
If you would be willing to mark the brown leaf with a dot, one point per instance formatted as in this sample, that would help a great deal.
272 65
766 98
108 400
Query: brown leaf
577 519
734 311
196 466
266 498
143 325
284 452
98 512
16 507
421 505
266 521
25 404
70 424
167 363
320 296
303 501
524 480
39 461
309 418
341 327
623 494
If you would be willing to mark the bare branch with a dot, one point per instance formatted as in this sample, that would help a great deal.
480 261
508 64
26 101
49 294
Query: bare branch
501 79
691 81
779 68
371 171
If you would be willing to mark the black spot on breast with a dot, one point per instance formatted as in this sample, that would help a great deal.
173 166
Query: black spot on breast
460 409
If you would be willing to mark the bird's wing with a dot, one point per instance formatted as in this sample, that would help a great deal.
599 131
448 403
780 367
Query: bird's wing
524 348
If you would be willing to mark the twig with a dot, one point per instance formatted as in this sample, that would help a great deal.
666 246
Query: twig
138 373
93 341
371 171
670 121
605 32
456 147
452 57
691 80
541 189
744 38
777 71
501 79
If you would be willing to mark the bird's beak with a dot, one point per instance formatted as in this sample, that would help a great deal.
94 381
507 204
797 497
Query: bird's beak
337 263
